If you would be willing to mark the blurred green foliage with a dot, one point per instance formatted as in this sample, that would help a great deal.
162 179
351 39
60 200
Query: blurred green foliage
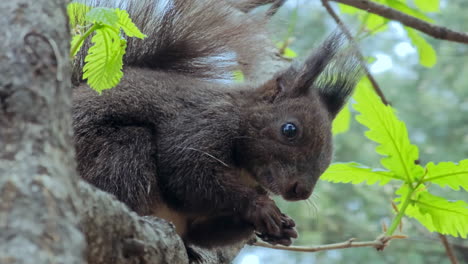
433 102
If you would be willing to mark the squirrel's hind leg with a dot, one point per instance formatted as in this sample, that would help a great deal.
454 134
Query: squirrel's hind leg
218 231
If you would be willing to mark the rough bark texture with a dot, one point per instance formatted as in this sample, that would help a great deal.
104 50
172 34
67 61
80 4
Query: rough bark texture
48 215
38 219
117 235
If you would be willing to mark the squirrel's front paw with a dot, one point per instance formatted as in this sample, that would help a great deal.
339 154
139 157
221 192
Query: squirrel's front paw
265 216
288 232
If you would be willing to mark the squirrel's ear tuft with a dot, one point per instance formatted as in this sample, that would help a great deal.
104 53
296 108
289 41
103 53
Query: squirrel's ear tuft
330 70
336 83
302 77
297 79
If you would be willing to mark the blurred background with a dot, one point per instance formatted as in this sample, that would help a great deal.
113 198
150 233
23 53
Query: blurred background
433 102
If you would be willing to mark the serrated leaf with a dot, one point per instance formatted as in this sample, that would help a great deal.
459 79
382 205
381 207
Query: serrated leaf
74 41
428 5
125 22
436 213
76 13
402 193
104 61
427 54
342 121
448 174
103 15
388 131
356 173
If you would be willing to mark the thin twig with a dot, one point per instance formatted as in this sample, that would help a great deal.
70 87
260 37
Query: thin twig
448 249
435 31
353 42
285 45
380 243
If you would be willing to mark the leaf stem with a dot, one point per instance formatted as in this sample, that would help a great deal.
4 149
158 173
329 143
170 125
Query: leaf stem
401 213
396 221
83 38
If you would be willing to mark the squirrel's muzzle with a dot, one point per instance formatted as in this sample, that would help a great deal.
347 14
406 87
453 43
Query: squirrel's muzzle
298 190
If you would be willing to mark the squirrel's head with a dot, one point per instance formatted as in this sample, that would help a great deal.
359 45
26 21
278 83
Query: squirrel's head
287 140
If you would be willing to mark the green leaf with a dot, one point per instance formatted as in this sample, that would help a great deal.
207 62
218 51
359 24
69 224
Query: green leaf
103 67
428 5
436 213
376 23
388 131
448 174
346 9
287 53
103 15
342 121
356 173
427 54
125 22
400 6
238 76
76 13
370 59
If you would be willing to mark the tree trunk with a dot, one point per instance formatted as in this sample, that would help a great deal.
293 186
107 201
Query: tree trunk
38 213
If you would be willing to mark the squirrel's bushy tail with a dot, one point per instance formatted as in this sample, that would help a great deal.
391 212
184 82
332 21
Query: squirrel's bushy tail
201 38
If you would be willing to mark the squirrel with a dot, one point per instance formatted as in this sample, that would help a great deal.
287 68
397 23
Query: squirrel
176 140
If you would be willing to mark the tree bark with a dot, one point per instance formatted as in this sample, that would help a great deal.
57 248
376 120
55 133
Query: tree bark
38 214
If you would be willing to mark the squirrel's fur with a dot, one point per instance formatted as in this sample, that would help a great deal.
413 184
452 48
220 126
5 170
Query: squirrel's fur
172 141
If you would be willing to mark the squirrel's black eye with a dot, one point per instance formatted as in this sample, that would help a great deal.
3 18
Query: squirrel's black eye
289 130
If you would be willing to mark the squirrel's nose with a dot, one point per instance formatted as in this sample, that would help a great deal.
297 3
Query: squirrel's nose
298 191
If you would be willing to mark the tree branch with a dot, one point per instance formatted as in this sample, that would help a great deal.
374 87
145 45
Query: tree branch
380 243
435 31
448 249
274 7
353 42
117 235
113 232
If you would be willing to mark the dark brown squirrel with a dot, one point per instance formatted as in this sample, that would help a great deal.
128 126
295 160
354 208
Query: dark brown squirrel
176 140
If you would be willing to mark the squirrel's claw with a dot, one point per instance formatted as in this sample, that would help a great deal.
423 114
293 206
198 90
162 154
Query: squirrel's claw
287 233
